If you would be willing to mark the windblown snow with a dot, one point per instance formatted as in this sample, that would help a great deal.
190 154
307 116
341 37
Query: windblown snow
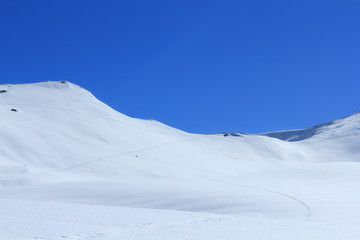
71 167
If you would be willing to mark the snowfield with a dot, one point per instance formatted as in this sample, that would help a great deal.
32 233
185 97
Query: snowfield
73 168
48 220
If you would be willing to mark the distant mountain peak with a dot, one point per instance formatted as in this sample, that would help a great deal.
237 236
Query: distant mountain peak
343 126
346 125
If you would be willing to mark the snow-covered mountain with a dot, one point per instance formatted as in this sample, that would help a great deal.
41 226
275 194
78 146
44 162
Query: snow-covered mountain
60 145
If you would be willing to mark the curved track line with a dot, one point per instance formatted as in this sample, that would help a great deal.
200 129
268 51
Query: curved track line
126 153
307 207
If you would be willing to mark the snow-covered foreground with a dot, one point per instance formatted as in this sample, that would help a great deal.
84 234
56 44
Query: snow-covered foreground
72 167
44 220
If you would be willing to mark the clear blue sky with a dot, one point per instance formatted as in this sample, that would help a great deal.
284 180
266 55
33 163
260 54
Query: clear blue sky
201 66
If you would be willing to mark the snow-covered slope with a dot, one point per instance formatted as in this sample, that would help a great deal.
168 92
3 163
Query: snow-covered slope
60 127
60 144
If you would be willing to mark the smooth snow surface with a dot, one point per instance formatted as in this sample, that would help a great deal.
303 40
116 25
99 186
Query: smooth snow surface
73 168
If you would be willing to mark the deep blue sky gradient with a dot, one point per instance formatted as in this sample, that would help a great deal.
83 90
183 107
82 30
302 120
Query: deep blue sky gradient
201 66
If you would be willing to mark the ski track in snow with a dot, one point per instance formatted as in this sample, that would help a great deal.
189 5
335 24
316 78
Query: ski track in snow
303 204
126 153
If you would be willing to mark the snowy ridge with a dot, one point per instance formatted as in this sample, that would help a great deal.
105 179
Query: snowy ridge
60 145
345 126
